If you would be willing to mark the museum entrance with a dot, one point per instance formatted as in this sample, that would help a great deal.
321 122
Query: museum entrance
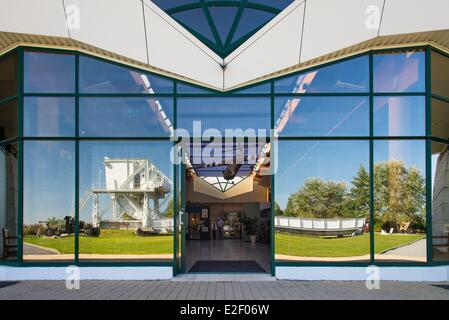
227 218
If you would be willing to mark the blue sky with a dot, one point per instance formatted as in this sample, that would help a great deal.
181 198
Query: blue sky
337 161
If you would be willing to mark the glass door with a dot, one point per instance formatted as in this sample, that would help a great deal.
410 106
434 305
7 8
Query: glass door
179 230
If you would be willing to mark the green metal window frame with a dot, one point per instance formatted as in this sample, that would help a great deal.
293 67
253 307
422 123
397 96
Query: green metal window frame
178 180
219 47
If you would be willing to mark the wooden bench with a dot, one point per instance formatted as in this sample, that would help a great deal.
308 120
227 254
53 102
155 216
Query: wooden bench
9 245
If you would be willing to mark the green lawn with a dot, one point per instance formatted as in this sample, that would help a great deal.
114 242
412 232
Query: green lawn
109 242
125 242
307 246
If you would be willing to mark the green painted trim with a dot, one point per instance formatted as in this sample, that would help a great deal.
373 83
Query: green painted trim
355 138
429 155
440 140
85 263
9 141
77 160
210 22
272 183
358 264
438 97
183 218
371 159
220 48
20 157
7 99
175 190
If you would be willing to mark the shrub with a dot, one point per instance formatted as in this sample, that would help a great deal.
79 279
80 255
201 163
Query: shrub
31 229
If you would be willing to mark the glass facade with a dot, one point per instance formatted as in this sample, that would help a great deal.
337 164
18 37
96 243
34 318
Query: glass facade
359 147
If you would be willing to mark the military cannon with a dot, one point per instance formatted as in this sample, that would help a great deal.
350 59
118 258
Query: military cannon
67 226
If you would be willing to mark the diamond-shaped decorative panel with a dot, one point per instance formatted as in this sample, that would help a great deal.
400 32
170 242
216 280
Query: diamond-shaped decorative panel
223 24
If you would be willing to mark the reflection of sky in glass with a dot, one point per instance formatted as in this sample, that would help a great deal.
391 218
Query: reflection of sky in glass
224 113
399 116
97 76
399 72
337 161
126 117
350 76
328 160
49 180
327 117
49 116
49 72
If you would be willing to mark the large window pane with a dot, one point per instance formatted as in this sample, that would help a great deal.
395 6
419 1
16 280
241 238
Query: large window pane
327 116
399 116
224 113
440 119
440 74
49 117
322 201
126 194
97 76
8 120
8 76
49 72
49 200
8 201
400 200
126 117
350 76
399 72
440 201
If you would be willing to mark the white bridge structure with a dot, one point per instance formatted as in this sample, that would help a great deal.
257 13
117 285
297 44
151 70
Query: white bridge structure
132 185
323 227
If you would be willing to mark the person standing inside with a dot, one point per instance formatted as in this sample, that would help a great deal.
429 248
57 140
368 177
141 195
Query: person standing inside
220 226
214 230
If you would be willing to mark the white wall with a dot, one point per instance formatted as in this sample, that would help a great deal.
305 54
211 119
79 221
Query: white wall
305 30
432 274
420 274
86 273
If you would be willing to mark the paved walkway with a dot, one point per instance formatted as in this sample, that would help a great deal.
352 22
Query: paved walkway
414 249
257 290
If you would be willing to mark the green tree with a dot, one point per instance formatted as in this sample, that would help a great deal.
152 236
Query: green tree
358 200
277 209
399 194
317 199
170 209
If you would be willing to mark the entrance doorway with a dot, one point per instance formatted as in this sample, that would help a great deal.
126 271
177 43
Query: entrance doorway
227 224
219 240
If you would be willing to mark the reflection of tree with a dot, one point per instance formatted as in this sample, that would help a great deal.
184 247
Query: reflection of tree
399 196
317 198
170 208
357 200
54 222
277 209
